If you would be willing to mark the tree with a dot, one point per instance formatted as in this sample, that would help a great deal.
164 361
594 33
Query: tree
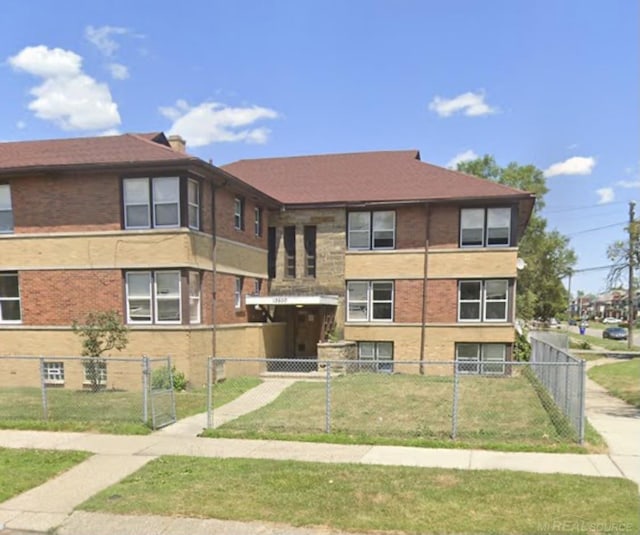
619 254
548 257
101 332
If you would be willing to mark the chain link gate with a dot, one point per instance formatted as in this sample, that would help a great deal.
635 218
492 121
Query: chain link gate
158 374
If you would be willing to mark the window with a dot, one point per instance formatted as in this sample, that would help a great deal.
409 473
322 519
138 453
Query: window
237 295
9 298
290 251
369 301
140 195
193 201
271 254
483 300
160 289
53 372
97 369
6 212
238 213
257 286
372 230
486 359
378 355
194 297
480 227
257 223
310 251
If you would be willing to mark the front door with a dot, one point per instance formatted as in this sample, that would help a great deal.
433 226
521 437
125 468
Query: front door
306 333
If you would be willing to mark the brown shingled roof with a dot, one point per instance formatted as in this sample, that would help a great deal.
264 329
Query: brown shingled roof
390 176
107 150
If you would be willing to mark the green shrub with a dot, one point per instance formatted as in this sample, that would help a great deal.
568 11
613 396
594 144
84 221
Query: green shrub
160 379
522 348
579 344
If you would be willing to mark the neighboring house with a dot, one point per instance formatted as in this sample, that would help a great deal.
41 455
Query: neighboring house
260 258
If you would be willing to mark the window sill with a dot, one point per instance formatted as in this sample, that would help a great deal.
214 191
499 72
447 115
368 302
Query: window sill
54 383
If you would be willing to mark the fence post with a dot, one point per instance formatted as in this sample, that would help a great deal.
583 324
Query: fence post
145 389
327 424
454 409
582 394
210 364
43 387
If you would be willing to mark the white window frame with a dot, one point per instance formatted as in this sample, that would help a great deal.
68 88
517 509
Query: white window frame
481 363
53 373
485 228
369 352
6 207
257 224
483 301
5 299
237 294
148 296
127 203
167 297
193 204
102 372
156 203
370 301
194 298
154 297
370 230
238 213
257 286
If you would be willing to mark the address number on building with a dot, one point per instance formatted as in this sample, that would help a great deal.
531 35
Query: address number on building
279 300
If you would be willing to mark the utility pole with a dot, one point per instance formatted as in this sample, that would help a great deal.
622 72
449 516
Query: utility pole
631 315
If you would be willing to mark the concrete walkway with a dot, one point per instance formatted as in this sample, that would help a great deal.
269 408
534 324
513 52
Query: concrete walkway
51 504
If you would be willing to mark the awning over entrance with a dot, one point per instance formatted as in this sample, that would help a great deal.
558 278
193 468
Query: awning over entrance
331 300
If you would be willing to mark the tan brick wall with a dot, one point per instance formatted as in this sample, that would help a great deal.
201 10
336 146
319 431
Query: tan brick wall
234 257
66 203
60 297
126 249
479 263
388 265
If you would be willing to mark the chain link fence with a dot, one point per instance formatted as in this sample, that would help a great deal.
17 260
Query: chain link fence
89 390
563 378
475 402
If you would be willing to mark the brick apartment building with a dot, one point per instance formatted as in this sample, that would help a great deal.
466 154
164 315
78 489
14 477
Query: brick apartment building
260 258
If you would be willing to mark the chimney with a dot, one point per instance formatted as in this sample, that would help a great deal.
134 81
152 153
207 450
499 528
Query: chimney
178 143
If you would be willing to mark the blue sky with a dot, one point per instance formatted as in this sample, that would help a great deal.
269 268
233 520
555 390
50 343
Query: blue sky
554 83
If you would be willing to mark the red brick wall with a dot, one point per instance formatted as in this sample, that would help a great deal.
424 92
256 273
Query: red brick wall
408 301
59 297
411 227
444 226
225 221
226 312
442 301
66 203
206 206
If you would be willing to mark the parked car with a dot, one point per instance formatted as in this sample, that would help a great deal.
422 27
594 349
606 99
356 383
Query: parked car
553 322
615 333
611 320
573 322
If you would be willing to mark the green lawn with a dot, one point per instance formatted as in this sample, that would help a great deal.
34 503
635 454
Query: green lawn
21 470
493 412
622 379
103 412
384 499
613 345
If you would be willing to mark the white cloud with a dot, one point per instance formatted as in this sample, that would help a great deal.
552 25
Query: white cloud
213 122
577 165
21 125
118 71
606 195
470 104
461 157
630 184
67 96
101 38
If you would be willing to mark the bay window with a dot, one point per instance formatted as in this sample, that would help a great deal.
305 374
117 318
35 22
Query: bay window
153 297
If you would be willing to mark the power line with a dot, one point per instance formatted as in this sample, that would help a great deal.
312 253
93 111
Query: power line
595 228
576 208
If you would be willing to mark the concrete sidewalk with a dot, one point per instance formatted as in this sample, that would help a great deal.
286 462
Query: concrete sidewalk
52 504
